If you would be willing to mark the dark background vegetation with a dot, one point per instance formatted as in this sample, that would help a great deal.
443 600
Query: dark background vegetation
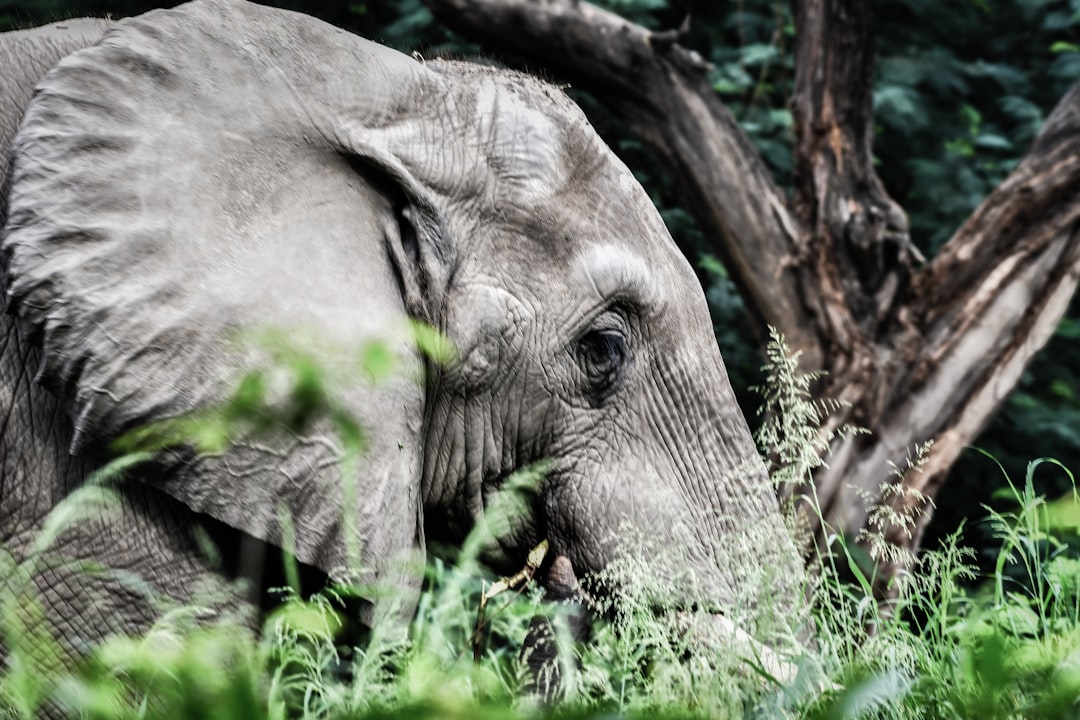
962 87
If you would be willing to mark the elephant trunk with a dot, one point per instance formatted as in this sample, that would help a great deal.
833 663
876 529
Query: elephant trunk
734 542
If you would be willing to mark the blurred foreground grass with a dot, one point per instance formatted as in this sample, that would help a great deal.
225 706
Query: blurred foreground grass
947 647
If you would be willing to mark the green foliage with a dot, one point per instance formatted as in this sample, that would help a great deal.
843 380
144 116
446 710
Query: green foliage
730 322
967 89
754 74
938 650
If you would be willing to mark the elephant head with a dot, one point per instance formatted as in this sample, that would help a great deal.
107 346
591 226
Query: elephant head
223 166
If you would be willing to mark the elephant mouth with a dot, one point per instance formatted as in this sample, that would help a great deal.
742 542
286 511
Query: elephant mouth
515 506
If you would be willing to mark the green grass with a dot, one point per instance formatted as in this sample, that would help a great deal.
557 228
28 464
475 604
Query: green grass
951 646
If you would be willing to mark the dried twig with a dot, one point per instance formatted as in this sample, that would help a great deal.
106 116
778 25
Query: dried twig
518 581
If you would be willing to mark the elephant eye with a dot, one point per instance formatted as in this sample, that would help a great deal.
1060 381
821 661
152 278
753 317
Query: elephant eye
603 356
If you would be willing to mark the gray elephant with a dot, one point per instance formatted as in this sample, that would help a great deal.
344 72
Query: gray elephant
191 174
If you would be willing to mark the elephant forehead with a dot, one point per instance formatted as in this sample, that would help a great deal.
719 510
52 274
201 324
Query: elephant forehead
522 145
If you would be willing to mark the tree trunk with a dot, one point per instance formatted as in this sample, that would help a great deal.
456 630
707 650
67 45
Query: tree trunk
916 350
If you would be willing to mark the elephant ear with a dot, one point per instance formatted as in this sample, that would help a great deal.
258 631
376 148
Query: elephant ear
216 169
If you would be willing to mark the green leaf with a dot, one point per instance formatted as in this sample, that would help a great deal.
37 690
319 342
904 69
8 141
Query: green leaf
350 430
961 147
249 397
1063 513
991 141
873 695
309 620
781 118
711 265
377 360
1017 616
971 116
433 343
210 434
758 53
726 87
1068 328
1062 389
308 396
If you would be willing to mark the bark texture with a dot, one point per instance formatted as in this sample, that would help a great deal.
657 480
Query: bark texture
918 350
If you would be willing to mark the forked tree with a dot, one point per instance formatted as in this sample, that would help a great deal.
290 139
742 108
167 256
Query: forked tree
916 348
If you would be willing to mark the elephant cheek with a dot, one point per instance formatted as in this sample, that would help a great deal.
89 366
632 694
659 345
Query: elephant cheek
487 325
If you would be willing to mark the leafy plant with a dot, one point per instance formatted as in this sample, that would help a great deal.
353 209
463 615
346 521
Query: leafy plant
1010 649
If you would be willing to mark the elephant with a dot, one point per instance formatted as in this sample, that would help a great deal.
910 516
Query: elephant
177 179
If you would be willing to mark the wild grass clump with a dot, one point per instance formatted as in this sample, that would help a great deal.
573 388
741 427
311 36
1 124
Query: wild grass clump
951 644
948 643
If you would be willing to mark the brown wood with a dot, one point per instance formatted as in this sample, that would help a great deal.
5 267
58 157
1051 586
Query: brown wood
917 350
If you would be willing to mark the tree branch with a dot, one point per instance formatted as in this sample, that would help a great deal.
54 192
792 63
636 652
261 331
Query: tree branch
859 251
969 324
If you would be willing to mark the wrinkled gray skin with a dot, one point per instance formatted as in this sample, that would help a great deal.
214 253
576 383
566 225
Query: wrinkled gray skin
223 167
